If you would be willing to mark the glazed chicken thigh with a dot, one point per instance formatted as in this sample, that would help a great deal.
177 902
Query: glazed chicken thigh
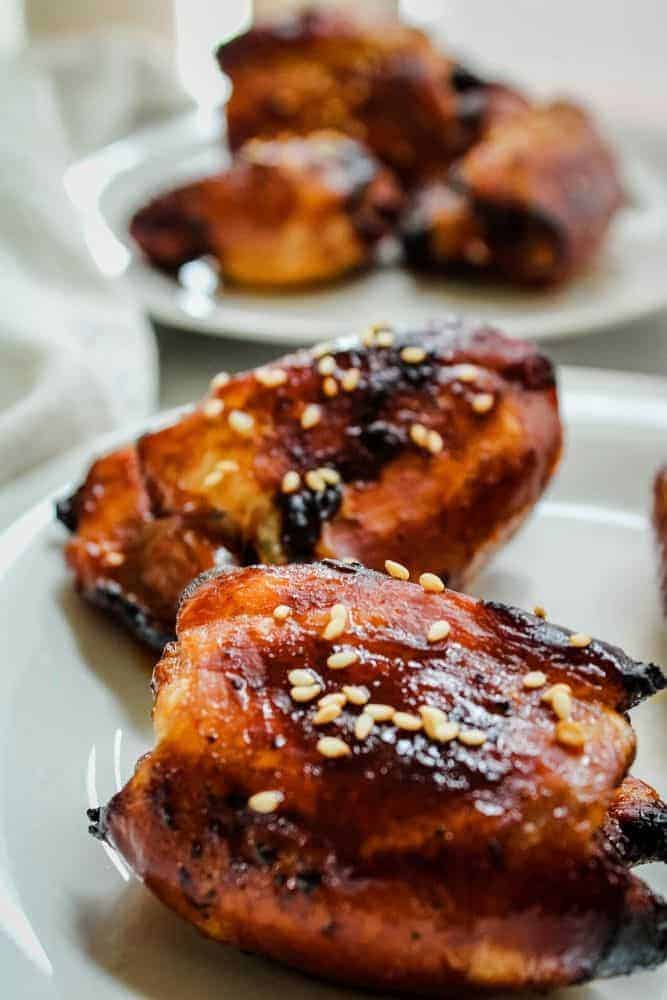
429 448
291 211
394 786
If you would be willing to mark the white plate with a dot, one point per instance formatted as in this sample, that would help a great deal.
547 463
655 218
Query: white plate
626 283
74 704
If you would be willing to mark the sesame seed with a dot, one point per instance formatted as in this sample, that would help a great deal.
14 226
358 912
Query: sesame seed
446 732
539 611
327 713
397 570
330 387
338 611
241 422
332 746
413 355
406 720
472 737
265 802
570 733
350 380
419 435
363 725
338 661
432 718
219 380
356 695
330 476
534 679
466 373
335 698
368 338
314 481
381 713
305 692
281 612
320 349
438 630
561 703
327 365
384 338
310 416
271 377
431 583
301 678
434 442
114 559
553 690
213 478
378 327
482 402
337 623
213 408
291 481
227 465
580 640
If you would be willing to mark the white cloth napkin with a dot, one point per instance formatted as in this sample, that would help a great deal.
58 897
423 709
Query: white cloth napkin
75 358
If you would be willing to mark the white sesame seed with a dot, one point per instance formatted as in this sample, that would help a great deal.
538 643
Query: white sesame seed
368 338
320 349
350 380
356 695
327 713
291 481
337 623
381 713
432 718
330 476
310 416
406 720
332 746
419 435
482 402
580 640
434 442
570 733
472 737
397 570
384 338
281 612
314 481
466 373
213 478
241 422
301 678
363 725
305 692
338 611
431 583
534 679
413 355
330 387
219 380
265 802
539 611
438 630
561 703
114 559
553 690
335 698
226 465
271 377
327 365
446 732
213 408
346 657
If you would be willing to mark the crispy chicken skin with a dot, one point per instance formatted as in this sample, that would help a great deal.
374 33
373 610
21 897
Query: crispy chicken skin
383 83
290 211
531 202
411 861
430 450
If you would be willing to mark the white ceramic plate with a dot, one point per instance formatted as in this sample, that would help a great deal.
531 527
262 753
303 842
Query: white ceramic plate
626 283
74 704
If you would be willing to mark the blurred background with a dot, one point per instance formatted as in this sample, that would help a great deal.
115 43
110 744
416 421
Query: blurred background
77 357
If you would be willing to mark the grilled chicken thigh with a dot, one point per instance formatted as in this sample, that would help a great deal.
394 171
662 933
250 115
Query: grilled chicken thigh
393 787
429 448
382 83
531 202
290 211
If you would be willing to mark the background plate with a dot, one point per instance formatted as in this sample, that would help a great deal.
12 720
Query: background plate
74 705
627 282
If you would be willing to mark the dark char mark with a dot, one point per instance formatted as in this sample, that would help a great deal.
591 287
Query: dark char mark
109 597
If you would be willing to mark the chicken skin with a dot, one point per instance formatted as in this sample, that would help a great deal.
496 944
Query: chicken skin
290 211
382 83
391 787
531 202
427 447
